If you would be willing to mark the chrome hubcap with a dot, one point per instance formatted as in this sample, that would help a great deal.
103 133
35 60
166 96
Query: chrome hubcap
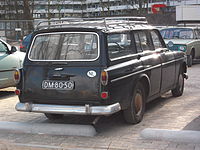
138 103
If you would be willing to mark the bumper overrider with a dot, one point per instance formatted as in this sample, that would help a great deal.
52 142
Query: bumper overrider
66 109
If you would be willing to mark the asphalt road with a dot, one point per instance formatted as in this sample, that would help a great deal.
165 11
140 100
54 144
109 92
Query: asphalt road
167 112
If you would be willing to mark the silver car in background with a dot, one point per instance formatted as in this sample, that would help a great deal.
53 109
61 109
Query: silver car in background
10 60
186 39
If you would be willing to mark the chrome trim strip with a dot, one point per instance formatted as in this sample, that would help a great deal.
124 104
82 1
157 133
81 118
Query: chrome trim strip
180 59
172 61
169 62
66 109
98 54
156 66
7 70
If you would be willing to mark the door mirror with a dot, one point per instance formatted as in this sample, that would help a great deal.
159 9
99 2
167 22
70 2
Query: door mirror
13 49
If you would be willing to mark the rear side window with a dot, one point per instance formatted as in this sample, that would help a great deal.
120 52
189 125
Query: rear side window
119 45
69 46
142 41
156 40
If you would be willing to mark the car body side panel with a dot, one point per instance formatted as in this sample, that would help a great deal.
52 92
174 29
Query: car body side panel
122 79
168 70
152 64
194 45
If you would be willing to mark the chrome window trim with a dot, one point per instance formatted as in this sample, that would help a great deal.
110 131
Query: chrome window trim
121 57
88 60
132 55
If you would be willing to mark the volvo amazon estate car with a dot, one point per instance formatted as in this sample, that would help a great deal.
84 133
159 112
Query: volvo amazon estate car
98 67
186 39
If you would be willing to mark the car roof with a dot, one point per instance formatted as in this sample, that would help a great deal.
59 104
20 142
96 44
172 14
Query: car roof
114 24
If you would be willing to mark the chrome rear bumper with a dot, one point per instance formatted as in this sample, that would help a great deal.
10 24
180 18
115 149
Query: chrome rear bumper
66 109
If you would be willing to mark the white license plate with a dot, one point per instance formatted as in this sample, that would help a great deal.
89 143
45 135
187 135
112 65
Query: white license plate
60 85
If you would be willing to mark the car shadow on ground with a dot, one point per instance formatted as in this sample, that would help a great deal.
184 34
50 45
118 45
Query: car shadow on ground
193 125
159 102
196 61
6 93
113 122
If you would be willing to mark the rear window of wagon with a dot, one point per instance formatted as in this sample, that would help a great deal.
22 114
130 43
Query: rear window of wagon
65 46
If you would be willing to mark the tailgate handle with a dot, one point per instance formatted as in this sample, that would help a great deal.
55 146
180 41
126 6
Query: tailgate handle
62 75
56 75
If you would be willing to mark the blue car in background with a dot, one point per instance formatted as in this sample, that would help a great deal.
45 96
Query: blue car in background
25 43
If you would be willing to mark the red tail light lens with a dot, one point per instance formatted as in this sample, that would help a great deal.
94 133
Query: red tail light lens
104 95
104 77
21 46
17 92
17 76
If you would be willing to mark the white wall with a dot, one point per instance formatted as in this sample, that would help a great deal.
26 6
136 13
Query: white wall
188 13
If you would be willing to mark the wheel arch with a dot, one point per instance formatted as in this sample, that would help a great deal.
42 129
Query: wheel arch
184 67
144 79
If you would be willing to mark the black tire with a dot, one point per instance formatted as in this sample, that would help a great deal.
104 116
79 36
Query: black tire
54 116
189 60
135 112
178 91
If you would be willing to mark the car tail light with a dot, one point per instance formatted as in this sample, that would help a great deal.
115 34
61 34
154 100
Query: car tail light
21 46
17 92
104 77
104 95
17 76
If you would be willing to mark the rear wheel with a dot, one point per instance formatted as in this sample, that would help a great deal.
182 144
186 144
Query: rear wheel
178 91
189 60
54 116
135 112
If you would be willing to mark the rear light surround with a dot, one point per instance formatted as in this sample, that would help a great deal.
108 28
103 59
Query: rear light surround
17 76
104 78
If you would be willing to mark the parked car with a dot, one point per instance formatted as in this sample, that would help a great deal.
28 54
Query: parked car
98 68
25 43
10 60
186 39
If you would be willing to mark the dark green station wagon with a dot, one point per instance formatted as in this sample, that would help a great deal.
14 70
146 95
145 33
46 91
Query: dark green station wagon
97 67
